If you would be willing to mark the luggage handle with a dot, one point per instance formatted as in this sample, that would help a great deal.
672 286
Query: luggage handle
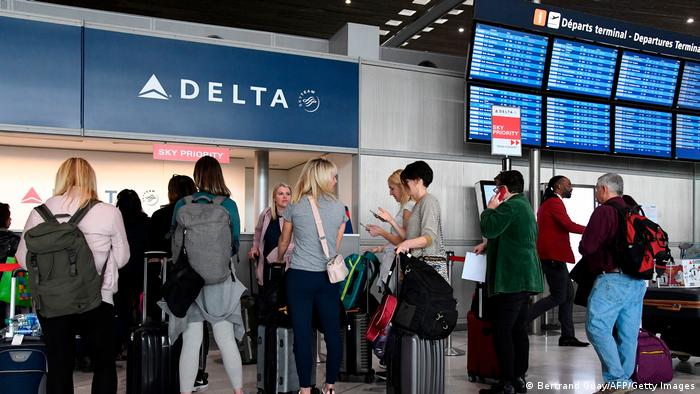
13 296
673 307
163 256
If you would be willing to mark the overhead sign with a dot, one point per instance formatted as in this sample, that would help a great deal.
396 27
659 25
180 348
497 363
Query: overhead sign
41 74
188 153
158 86
560 21
505 131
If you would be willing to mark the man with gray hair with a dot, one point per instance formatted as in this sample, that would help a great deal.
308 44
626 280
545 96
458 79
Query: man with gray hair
616 298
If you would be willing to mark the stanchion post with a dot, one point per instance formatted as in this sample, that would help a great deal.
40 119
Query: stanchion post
449 349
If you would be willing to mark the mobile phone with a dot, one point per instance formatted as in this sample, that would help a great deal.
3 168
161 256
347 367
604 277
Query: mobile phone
377 216
501 193
363 225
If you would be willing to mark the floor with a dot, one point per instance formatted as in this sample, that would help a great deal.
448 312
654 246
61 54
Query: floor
577 369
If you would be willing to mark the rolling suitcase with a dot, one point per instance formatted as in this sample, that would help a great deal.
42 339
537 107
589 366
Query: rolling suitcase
481 353
152 361
276 368
247 347
674 312
416 366
356 364
23 367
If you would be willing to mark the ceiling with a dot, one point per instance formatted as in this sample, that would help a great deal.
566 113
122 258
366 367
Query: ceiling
323 18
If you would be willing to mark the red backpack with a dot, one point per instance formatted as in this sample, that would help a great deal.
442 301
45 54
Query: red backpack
645 245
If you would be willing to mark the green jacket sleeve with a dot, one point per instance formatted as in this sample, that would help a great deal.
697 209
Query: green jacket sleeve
495 221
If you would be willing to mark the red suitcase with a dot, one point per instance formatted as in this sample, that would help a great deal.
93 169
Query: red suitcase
481 354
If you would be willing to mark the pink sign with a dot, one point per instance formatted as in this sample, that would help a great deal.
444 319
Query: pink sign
188 153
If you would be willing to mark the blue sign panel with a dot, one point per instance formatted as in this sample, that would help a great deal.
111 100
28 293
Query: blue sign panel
508 56
647 79
687 137
40 78
582 68
150 85
642 132
689 95
578 125
482 99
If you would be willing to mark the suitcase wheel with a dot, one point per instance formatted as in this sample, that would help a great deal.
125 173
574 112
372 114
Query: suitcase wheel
683 358
370 378
472 378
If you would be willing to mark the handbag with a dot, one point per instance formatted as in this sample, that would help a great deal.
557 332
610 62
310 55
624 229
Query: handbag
337 271
182 286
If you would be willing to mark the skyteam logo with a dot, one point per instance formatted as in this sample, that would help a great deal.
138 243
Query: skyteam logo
153 89
309 100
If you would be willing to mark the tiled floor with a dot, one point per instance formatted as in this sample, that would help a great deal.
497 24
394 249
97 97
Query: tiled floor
578 368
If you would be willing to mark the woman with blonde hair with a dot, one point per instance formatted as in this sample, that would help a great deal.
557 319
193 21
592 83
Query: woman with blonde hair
268 231
308 286
103 227
398 222
217 303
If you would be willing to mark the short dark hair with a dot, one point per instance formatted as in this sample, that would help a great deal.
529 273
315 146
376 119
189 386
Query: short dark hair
513 180
129 203
180 186
4 214
418 170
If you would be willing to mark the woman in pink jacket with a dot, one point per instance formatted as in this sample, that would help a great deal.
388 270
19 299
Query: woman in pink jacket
266 237
103 228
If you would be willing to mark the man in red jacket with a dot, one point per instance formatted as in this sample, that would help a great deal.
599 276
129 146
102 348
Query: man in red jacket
554 249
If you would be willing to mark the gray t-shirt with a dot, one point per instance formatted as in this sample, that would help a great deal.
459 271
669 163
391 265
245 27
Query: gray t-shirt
308 254
425 221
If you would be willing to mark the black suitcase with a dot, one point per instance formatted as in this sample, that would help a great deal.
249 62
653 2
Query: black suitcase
152 361
356 364
23 367
674 313
248 346
276 367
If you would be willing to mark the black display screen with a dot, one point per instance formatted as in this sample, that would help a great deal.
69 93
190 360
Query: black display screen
642 132
481 100
508 56
647 79
578 125
687 137
581 68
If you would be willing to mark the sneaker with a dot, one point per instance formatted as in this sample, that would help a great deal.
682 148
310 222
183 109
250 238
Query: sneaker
520 385
200 382
572 341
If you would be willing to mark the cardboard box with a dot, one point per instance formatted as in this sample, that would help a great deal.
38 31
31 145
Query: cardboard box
684 273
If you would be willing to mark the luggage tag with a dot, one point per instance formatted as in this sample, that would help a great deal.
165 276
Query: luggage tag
17 339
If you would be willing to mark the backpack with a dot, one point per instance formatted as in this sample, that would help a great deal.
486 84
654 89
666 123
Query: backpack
642 244
426 303
362 271
63 277
204 230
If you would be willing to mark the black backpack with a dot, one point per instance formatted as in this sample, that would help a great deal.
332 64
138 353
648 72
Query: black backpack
426 303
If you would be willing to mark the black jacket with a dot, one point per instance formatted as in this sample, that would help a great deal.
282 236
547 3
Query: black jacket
8 244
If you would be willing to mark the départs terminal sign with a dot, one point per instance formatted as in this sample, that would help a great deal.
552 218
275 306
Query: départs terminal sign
189 153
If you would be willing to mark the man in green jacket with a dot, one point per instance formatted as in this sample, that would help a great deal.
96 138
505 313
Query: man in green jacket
513 273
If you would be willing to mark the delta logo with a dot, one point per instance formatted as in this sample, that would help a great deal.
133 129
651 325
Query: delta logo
32 197
550 19
308 99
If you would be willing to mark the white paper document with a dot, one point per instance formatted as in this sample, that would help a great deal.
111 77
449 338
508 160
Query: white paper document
474 267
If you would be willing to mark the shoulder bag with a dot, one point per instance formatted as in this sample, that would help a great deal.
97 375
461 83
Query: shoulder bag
337 271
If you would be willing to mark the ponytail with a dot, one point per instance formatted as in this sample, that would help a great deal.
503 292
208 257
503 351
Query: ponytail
549 191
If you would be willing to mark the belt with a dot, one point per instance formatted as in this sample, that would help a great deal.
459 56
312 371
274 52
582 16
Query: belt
615 271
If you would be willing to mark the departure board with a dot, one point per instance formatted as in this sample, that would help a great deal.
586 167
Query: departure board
689 95
508 56
480 101
647 79
687 137
577 125
642 132
581 68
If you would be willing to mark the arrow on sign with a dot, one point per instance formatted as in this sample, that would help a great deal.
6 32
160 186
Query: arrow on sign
514 142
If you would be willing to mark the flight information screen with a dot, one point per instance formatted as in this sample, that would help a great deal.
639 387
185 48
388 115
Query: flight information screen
482 99
642 132
689 95
647 79
577 125
508 56
687 137
582 68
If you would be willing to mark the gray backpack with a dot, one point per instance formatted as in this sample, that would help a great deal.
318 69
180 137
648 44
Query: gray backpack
62 274
204 230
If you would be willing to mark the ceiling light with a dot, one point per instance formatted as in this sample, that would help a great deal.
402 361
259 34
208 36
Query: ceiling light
383 32
428 29
406 12
348 1
690 20
415 37
461 30
392 22
421 2
455 12
469 2
441 21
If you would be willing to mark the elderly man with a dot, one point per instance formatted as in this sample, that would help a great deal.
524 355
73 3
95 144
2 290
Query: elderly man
616 298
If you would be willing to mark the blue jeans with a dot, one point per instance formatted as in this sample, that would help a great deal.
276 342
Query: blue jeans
616 300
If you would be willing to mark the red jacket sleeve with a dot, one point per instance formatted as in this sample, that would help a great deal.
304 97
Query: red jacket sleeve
562 217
